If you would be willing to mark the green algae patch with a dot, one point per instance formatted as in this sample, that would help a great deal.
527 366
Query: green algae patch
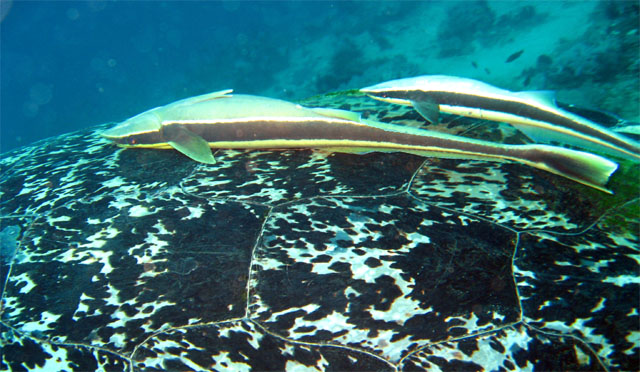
626 185
625 182
621 210
624 219
314 100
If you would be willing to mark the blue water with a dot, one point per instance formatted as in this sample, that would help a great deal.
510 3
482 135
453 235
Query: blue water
66 65
70 65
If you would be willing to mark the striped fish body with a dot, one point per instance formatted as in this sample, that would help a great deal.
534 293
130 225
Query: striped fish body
221 120
535 113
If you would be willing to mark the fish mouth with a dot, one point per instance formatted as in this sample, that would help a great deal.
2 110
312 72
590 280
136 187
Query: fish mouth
110 134
385 95
142 123
118 133
122 134
116 136
376 89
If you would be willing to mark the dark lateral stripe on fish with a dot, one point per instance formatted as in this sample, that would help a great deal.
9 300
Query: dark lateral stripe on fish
328 134
308 130
511 107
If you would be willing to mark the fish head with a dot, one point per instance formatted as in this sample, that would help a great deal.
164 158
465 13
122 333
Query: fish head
393 91
146 129
137 131
405 91
421 88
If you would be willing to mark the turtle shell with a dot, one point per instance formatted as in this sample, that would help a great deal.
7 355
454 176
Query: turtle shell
139 260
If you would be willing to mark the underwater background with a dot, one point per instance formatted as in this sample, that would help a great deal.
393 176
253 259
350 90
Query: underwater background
69 65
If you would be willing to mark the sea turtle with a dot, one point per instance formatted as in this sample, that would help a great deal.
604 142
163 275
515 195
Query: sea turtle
134 259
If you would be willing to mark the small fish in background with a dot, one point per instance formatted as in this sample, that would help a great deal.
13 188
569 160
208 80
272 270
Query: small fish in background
474 64
514 56
487 71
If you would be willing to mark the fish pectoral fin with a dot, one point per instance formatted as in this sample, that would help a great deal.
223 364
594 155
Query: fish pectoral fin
535 134
429 109
339 114
188 143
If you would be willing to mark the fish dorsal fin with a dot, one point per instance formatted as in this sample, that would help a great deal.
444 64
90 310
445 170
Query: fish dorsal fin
546 97
213 95
202 98
336 113
428 109
188 143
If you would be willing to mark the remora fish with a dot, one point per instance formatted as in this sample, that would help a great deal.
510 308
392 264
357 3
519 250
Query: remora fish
220 120
535 113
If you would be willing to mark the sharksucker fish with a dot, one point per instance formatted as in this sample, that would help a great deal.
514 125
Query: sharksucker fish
222 120
535 113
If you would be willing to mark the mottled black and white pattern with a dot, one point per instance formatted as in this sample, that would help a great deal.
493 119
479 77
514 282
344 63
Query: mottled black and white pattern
139 260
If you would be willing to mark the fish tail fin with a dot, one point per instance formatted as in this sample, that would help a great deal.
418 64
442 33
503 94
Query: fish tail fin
583 167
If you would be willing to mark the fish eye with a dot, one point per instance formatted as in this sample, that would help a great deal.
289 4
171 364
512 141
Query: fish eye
132 141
